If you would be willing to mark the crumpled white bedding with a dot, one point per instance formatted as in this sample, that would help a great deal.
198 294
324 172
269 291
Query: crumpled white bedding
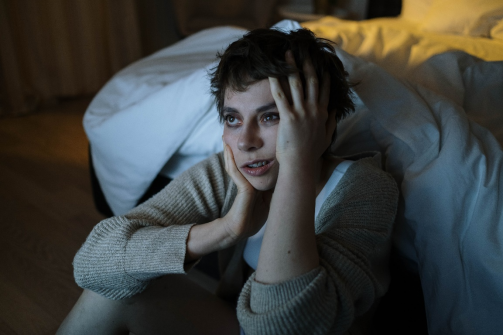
449 168
399 45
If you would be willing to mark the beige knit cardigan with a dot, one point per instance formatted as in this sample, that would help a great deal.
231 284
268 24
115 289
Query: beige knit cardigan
353 227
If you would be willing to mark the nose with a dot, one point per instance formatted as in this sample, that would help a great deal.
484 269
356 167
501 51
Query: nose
250 139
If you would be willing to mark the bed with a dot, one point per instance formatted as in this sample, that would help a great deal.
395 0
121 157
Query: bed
430 99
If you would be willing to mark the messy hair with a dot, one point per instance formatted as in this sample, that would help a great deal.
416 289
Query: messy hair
261 54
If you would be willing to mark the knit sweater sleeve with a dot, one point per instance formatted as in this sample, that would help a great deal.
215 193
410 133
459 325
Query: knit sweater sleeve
354 221
123 253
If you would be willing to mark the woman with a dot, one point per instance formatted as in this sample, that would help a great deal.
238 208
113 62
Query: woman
303 235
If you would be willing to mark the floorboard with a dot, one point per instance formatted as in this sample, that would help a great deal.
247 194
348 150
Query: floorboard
46 212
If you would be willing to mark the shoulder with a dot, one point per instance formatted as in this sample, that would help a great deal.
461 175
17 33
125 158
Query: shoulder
367 175
213 164
206 182
366 193
209 171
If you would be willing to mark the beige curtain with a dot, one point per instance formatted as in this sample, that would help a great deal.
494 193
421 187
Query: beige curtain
60 48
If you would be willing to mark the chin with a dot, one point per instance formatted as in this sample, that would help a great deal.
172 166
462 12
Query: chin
262 184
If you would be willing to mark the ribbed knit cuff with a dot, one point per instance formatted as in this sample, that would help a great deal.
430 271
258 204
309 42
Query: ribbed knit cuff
265 297
119 294
304 305
155 251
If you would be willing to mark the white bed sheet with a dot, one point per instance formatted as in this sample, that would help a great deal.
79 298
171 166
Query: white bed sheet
449 168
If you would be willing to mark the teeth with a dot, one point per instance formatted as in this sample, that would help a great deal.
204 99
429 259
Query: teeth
258 164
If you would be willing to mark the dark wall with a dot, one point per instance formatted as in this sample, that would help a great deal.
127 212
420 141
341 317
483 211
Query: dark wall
157 22
380 8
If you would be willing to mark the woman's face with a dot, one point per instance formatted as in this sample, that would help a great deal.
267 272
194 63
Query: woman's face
250 129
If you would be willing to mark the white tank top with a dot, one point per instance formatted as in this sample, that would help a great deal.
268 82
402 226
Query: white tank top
253 244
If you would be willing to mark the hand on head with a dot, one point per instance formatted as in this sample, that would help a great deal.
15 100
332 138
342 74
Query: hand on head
306 126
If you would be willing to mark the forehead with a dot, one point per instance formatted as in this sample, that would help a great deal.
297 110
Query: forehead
255 94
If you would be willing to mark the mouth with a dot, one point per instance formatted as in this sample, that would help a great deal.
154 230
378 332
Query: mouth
257 167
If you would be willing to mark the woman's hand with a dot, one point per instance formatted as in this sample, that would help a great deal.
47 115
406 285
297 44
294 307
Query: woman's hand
245 218
306 126
250 208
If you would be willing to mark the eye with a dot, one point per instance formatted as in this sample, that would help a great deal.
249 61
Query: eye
270 117
231 120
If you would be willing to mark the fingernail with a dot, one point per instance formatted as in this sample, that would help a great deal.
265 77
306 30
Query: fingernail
289 54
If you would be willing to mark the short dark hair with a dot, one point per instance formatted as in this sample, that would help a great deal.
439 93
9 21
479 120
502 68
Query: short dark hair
260 54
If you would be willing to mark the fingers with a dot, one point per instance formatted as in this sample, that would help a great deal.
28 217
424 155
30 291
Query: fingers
279 97
317 94
323 103
330 127
312 85
294 81
232 169
230 164
325 91
226 157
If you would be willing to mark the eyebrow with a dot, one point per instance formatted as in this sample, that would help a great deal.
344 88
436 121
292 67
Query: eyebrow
266 107
262 108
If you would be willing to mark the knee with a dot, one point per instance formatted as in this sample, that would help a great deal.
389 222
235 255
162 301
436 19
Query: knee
94 314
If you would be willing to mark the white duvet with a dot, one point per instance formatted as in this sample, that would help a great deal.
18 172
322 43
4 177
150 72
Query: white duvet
449 168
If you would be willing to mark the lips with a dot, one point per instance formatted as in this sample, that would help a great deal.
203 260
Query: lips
258 167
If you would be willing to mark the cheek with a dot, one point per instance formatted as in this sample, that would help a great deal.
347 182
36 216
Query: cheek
230 139
270 136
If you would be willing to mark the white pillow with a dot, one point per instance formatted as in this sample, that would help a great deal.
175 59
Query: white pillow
157 109
415 10
463 17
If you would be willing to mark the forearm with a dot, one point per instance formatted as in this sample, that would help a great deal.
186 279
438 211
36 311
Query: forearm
289 244
206 238
121 255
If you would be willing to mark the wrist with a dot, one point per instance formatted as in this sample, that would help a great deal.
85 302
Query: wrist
298 168
230 236
206 238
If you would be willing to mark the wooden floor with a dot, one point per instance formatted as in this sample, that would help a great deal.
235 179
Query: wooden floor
46 212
